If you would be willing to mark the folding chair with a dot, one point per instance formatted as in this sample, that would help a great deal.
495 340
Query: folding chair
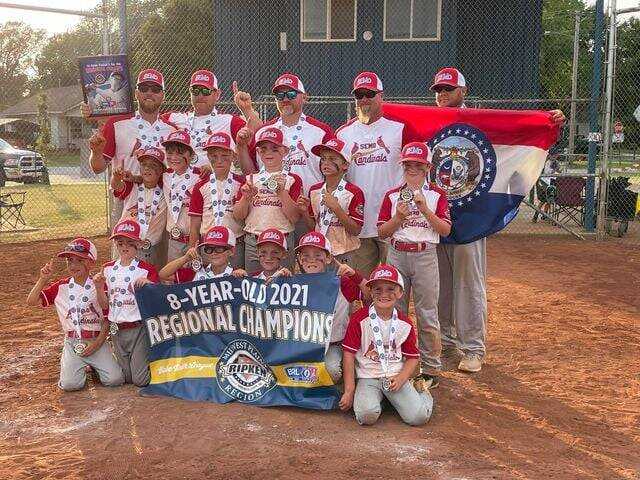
568 205
11 210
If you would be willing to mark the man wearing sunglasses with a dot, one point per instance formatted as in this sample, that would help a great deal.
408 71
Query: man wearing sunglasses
374 143
462 302
205 119
301 133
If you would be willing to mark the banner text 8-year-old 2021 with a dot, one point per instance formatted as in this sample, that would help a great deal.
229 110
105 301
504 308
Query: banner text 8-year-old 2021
240 339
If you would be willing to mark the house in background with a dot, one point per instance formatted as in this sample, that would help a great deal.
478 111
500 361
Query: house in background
496 44
19 123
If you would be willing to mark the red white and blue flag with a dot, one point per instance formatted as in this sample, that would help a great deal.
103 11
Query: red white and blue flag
486 160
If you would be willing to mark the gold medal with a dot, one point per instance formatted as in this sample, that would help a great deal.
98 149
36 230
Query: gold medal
406 195
79 347
176 233
146 244
113 328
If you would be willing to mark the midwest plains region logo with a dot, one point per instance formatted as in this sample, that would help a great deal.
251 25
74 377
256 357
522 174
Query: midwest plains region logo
242 373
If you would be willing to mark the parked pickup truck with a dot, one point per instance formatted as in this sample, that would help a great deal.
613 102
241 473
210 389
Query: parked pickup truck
22 166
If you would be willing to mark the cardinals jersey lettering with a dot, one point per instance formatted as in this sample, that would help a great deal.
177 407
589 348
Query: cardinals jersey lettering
57 293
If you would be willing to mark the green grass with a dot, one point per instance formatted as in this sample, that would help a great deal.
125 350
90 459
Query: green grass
58 211
62 159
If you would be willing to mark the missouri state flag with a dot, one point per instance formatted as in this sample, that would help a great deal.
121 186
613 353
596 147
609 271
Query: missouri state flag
486 160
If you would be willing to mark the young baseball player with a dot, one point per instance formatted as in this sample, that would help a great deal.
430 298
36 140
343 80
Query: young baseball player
177 185
210 259
268 198
413 216
130 340
335 207
144 202
212 198
272 251
380 351
313 255
81 317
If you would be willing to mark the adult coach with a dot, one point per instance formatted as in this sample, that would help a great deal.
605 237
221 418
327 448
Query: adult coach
205 119
462 303
122 136
374 143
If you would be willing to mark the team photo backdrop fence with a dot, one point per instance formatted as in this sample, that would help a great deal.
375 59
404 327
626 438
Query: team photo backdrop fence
546 65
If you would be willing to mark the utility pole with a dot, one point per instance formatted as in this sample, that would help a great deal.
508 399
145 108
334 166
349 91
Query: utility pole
574 86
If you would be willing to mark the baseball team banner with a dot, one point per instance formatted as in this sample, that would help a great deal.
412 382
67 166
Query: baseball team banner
486 160
230 339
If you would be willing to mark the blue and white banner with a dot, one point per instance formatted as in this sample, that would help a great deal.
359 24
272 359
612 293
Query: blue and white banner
229 339
486 161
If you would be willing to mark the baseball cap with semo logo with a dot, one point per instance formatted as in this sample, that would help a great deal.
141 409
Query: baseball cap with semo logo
127 228
219 236
415 152
314 239
219 140
272 135
386 273
272 235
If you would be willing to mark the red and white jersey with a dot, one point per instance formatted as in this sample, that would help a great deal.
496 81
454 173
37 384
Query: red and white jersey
201 127
155 209
125 134
374 167
58 294
416 228
301 138
351 200
123 307
204 204
349 292
178 190
359 340
266 208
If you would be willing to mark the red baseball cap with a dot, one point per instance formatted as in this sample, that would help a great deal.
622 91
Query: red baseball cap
219 140
179 136
204 78
368 81
387 273
314 239
270 134
449 76
151 76
416 152
218 236
80 247
128 228
272 235
151 152
288 80
334 144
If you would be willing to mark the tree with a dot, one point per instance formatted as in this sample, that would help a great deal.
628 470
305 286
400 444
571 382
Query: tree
627 96
18 46
43 142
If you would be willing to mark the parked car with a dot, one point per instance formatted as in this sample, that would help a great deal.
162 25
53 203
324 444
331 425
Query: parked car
23 166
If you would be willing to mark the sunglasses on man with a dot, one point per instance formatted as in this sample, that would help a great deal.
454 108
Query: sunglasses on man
288 94
444 88
208 249
200 90
360 94
145 87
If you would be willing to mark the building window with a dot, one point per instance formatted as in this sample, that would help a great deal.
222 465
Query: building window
407 20
75 127
328 20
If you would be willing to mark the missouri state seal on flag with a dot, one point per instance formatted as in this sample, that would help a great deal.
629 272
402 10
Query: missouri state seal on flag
486 161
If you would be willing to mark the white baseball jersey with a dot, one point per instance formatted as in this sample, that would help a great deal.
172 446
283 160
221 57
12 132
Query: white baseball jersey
349 292
123 306
155 209
359 340
204 204
374 167
125 134
201 127
58 294
301 138
266 208
178 190
416 228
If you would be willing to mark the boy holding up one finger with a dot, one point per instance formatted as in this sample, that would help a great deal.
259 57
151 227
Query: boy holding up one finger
81 316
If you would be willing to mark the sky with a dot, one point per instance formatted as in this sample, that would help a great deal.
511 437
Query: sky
56 23
51 22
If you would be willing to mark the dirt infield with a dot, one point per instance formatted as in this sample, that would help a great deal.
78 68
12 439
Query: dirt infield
559 396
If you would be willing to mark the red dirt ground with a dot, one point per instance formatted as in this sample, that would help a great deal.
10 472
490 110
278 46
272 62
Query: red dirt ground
559 396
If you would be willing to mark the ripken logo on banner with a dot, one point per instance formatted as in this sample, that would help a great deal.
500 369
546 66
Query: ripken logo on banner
242 373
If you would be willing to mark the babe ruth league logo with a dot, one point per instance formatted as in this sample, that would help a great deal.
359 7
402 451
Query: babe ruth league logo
464 163
242 373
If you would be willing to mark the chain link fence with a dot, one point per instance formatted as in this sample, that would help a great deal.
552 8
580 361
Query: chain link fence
539 57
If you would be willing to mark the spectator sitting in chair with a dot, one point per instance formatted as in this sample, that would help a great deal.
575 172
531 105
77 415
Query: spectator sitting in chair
543 187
